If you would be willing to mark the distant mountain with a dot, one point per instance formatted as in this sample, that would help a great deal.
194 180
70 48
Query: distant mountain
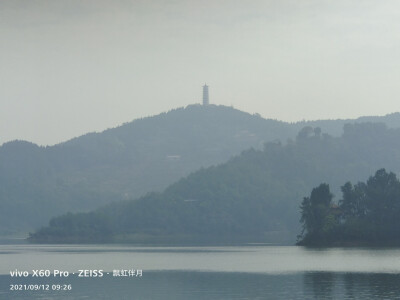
335 127
253 197
121 163
131 160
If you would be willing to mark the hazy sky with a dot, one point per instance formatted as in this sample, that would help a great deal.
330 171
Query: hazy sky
73 66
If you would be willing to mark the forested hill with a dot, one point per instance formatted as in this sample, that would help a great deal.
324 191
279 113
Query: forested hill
121 163
255 196
128 161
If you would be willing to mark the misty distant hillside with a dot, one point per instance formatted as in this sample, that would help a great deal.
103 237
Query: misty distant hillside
131 160
255 196
335 127
121 163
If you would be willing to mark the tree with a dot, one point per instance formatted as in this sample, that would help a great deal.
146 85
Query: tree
316 217
317 131
383 203
305 133
353 204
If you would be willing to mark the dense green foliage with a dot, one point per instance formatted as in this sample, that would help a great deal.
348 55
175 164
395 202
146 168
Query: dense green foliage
367 214
317 214
256 194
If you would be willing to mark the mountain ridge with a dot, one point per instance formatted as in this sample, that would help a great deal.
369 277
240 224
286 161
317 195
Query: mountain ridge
253 197
128 161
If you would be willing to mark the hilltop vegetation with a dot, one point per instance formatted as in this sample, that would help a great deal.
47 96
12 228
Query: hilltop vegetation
255 196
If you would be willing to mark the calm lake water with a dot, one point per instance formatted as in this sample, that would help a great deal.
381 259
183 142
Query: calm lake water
234 272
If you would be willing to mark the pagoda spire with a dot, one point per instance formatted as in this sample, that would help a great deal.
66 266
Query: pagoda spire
206 101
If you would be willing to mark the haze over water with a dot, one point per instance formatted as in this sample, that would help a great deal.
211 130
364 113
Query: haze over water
234 272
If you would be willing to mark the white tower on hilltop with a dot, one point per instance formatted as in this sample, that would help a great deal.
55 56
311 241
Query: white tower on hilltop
205 95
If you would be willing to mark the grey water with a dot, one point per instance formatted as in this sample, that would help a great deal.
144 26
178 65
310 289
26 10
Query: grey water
230 272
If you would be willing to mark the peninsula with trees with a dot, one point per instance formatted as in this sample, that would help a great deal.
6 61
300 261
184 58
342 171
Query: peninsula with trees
367 215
